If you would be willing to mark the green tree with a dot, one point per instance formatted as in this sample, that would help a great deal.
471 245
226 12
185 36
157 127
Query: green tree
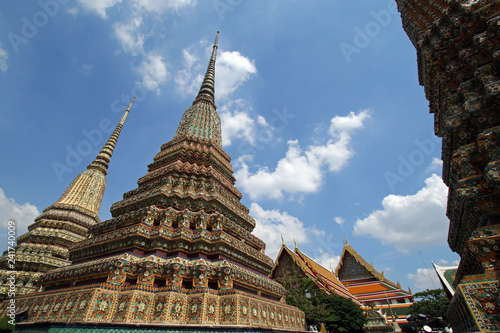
337 313
431 302
5 326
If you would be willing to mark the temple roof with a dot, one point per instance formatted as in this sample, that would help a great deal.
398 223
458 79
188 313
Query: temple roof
326 280
361 262
446 275
363 280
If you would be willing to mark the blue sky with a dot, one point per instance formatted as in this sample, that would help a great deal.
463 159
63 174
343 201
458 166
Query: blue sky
329 132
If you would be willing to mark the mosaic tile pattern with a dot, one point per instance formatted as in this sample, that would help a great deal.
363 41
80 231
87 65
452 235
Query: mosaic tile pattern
178 249
107 306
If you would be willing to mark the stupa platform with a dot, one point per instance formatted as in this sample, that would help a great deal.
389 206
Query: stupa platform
162 308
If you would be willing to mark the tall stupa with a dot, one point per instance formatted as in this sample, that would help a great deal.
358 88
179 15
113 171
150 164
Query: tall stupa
178 250
46 244
457 44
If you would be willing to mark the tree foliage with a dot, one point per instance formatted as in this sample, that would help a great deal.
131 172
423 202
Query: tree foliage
337 313
431 302
5 326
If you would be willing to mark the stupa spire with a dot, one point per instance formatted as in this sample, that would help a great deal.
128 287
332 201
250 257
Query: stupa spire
87 189
201 121
45 246
207 89
104 156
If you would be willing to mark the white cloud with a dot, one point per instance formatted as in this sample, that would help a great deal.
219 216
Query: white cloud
87 68
131 40
272 224
236 122
347 124
154 72
99 7
160 6
443 262
72 10
339 220
327 260
189 58
301 171
410 220
23 215
3 59
188 80
232 69
436 165
425 278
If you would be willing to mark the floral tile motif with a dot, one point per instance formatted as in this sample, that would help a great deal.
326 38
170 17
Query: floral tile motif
211 310
37 307
287 319
244 311
102 307
484 302
264 314
176 309
228 310
279 317
45 309
67 310
122 307
254 313
57 307
272 315
141 305
82 306
22 305
160 309
194 310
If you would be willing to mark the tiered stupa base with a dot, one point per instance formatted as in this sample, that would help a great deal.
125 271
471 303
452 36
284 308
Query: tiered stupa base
162 307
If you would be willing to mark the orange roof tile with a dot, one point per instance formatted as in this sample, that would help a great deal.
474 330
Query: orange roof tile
327 280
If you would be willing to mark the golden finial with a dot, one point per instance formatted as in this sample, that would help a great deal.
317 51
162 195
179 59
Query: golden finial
282 240
382 274
295 243
409 290
399 285
344 240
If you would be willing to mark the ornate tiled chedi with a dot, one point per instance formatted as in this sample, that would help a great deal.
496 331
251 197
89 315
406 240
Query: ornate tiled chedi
45 245
458 59
178 249
376 323
371 288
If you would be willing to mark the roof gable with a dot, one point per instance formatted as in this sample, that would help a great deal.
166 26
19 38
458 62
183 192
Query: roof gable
351 269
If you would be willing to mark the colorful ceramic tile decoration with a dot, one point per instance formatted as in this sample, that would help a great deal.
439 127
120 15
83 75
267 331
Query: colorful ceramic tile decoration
45 245
179 248
457 46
